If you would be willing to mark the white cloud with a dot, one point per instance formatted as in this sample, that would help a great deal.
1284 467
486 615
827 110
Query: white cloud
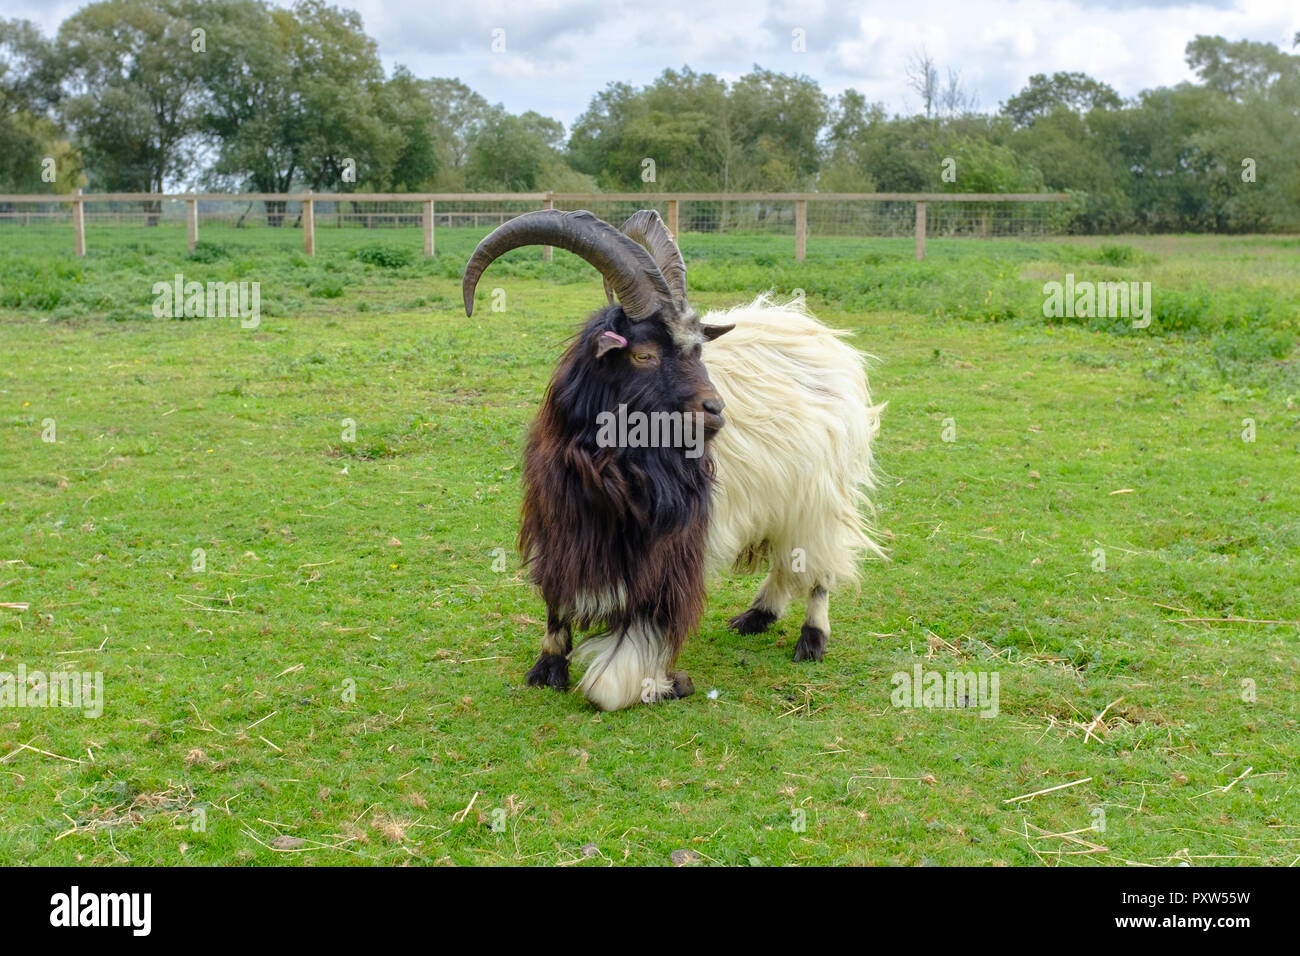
1014 38
522 68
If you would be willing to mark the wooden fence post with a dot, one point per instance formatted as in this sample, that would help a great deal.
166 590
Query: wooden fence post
308 226
672 219
920 231
191 223
79 225
547 203
800 228
428 228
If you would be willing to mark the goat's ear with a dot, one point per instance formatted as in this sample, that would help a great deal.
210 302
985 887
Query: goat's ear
609 341
711 332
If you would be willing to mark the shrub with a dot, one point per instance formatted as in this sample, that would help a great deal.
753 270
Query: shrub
327 289
208 252
385 257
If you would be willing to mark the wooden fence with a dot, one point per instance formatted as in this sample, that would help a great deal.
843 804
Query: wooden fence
428 201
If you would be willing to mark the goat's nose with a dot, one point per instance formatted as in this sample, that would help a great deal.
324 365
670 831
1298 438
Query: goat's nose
713 405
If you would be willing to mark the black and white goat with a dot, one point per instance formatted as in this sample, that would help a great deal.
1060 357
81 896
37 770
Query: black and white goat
621 534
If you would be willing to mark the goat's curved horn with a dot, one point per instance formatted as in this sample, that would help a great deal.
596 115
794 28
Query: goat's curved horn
628 269
649 230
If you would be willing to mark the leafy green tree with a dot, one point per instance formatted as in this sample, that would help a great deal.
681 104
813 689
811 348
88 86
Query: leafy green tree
1077 153
297 97
28 89
681 122
600 128
248 107
1238 69
459 114
1076 92
131 91
1250 138
775 121
404 106
862 141
26 143
758 134
507 154
549 131
28 78
983 166
1167 171
337 79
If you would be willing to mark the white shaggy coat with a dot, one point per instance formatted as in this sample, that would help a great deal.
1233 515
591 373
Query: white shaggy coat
794 462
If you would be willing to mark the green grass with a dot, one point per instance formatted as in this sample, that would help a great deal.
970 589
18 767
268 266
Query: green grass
333 565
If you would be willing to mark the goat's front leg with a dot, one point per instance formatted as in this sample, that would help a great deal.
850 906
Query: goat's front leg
767 608
552 668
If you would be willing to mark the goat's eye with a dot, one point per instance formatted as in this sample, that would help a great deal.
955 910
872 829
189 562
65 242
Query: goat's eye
645 358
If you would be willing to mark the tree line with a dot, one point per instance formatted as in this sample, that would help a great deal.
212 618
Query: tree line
236 95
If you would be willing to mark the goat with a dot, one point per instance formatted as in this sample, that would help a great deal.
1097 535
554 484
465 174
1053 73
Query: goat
622 534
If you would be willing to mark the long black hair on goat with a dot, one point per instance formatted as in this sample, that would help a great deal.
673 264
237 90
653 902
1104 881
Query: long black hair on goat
615 535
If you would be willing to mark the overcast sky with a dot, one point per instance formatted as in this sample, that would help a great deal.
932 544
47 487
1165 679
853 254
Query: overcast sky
559 52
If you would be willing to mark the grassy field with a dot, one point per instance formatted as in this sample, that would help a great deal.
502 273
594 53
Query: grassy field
337 677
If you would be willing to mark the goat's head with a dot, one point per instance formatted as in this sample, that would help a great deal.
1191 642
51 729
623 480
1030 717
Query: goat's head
646 348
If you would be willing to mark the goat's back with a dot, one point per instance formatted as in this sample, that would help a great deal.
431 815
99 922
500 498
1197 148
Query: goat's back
794 462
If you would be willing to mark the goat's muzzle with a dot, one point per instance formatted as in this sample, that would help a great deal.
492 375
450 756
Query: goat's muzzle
709 408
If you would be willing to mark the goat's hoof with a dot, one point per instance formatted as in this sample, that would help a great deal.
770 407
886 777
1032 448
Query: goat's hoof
551 670
754 621
683 686
812 644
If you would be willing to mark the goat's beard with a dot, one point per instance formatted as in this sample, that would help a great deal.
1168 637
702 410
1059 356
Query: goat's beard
614 535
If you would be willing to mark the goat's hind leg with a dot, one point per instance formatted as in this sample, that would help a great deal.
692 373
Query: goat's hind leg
816 627
552 668
769 604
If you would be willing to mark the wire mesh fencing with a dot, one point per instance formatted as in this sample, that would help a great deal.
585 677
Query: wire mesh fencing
34 218
864 217
614 211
